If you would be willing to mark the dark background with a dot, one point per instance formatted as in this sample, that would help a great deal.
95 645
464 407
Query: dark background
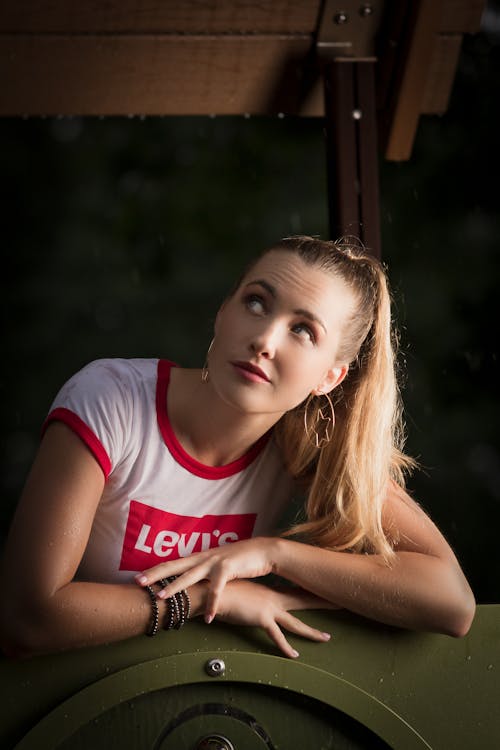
121 236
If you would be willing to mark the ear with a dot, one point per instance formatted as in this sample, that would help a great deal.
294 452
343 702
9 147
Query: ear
332 379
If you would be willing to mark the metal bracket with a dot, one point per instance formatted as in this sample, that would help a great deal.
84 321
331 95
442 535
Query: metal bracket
348 29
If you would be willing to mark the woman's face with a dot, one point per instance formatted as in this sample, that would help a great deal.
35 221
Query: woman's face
277 337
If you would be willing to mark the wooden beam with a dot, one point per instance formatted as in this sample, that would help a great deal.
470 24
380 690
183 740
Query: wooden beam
157 75
443 67
352 151
415 73
461 16
159 16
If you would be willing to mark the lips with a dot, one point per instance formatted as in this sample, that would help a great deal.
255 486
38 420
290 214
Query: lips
251 371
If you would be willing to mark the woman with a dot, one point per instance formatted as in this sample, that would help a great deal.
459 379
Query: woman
179 476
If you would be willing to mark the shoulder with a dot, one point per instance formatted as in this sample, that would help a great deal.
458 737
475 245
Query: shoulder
102 376
119 370
105 402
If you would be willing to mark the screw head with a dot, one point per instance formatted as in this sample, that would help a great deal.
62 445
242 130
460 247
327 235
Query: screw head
341 17
215 667
366 10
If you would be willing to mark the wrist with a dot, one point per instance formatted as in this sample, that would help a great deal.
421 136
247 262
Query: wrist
198 596
277 554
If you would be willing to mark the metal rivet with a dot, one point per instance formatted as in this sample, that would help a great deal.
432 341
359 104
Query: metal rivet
215 667
366 10
341 17
357 114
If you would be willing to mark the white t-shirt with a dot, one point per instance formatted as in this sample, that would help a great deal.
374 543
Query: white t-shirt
159 503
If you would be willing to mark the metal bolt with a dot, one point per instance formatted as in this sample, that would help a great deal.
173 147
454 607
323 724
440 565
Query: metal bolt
341 17
215 668
214 742
366 10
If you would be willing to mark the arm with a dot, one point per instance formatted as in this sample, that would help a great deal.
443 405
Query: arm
43 609
424 588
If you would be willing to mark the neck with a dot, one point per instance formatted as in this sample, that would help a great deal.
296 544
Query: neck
208 429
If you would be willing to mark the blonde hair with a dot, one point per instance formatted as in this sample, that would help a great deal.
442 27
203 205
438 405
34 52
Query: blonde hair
347 478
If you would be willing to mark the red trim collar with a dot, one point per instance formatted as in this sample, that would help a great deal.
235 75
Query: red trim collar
176 449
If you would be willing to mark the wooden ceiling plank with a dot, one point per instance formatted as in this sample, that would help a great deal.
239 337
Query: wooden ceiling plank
155 75
159 16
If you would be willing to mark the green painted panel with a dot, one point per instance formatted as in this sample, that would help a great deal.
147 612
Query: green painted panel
410 689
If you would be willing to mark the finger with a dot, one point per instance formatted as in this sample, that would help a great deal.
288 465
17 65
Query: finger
184 581
165 570
294 625
277 636
214 594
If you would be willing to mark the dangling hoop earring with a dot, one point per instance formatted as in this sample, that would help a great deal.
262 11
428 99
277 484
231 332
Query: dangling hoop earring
321 431
205 373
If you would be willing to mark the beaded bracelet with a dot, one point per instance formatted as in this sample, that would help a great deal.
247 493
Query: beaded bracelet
154 626
168 623
181 609
188 604
179 606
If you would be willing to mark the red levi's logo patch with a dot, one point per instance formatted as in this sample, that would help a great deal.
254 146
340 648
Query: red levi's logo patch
154 536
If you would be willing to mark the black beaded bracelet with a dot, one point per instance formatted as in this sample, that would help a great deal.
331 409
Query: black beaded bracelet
155 622
181 619
188 604
170 616
179 606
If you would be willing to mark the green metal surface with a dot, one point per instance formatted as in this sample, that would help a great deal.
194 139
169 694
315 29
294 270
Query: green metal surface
412 690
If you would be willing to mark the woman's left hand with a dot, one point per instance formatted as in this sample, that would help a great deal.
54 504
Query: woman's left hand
250 558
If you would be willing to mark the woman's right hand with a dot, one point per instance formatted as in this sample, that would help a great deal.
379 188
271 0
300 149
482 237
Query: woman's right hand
248 603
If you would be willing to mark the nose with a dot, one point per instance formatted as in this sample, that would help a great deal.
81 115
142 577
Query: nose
265 341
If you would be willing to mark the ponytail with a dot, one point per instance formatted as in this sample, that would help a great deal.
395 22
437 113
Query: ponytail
347 478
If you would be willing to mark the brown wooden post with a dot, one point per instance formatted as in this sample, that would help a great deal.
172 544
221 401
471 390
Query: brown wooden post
352 152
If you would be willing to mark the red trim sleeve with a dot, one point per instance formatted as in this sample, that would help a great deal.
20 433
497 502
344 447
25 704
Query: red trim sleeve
84 432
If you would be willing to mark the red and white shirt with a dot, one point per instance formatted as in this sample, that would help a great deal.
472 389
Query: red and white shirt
159 503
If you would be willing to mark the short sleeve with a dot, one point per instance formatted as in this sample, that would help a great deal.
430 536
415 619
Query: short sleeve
96 404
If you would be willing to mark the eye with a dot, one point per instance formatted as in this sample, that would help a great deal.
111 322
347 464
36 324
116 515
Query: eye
304 331
255 303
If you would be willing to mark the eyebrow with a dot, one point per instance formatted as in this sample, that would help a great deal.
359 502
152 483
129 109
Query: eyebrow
299 311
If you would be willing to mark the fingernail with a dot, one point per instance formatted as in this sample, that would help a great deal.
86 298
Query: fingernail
295 654
161 594
140 578
208 619
326 636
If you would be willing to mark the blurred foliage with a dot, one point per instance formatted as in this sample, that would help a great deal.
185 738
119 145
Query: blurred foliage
121 237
